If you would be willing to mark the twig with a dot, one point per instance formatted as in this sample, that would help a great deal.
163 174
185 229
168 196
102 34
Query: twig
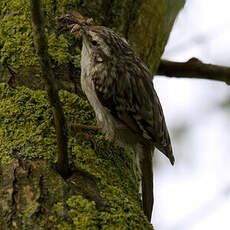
194 68
50 83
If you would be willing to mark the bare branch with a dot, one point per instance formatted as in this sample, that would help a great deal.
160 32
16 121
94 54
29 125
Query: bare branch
194 68
49 78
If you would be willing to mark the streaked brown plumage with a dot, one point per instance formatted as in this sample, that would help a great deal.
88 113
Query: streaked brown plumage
119 87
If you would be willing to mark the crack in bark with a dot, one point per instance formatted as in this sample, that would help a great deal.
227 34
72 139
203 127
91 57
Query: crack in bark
41 197
13 197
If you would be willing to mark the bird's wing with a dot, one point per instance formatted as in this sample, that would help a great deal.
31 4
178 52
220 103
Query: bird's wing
129 95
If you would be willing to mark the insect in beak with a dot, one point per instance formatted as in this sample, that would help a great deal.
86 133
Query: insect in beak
76 29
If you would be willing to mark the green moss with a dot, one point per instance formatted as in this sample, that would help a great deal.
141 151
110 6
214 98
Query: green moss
31 210
86 216
26 129
58 49
16 38
64 226
84 213
27 133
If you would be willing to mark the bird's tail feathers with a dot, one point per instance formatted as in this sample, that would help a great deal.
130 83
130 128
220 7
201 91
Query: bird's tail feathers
143 161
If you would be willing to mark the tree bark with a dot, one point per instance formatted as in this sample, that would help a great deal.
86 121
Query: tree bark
33 195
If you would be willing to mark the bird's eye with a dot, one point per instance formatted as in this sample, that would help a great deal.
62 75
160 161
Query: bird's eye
94 43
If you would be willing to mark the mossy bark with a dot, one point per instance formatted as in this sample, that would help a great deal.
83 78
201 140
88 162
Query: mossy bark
105 194
146 24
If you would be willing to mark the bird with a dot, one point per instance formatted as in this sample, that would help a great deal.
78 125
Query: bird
119 87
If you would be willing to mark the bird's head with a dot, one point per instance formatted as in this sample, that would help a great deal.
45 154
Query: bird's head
99 43
102 40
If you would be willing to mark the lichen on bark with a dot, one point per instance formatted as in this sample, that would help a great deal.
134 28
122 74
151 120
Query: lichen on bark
34 196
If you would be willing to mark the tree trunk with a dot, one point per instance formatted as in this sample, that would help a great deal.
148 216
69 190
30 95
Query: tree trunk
105 193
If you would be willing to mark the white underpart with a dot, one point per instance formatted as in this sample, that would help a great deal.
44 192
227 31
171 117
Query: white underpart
104 119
